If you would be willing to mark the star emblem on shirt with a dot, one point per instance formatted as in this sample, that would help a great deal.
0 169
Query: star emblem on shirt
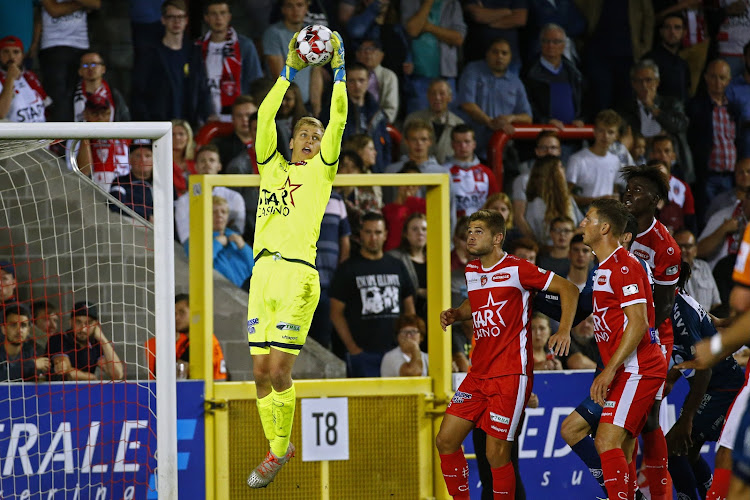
291 190
491 303
600 323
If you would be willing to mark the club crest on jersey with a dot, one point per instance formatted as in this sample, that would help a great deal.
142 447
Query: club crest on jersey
500 277
483 280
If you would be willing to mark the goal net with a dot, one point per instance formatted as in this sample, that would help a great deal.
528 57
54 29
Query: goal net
87 281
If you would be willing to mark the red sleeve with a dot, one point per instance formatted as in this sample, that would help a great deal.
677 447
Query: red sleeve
667 263
628 284
492 180
533 277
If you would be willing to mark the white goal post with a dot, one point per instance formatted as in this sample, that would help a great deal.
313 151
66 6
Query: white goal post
164 278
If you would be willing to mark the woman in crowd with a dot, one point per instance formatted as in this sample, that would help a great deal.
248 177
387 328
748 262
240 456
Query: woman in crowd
412 252
544 359
183 155
406 203
358 199
292 109
500 202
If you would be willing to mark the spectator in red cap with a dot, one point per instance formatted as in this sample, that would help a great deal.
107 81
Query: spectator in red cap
22 98
93 84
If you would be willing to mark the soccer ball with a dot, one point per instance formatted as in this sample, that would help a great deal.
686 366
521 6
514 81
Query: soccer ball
314 45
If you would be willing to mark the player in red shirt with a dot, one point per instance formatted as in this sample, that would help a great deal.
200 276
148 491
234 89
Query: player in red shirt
495 391
634 366
646 187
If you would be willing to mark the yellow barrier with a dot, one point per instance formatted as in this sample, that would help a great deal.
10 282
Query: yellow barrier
392 422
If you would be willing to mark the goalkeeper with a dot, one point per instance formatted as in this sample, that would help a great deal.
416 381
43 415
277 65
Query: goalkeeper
285 288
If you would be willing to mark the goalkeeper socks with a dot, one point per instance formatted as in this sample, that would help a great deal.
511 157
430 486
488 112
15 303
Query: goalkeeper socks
586 451
283 418
655 461
720 487
616 473
265 410
456 474
504 482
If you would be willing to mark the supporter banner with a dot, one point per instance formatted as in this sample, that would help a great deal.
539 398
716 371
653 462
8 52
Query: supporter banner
94 441
549 468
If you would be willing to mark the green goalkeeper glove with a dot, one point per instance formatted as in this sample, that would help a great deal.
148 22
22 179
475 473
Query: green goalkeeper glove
294 62
337 61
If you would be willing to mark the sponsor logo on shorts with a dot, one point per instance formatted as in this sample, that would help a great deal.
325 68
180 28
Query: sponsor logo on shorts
460 397
500 277
630 289
607 414
251 325
609 404
287 326
671 271
250 330
499 418
287 337
498 429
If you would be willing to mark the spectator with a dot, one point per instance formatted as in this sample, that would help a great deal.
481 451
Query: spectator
564 13
368 292
580 259
460 254
554 84
382 83
103 160
412 253
182 345
359 200
583 353
18 359
652 114
675 81
365 116
679 210
549 198
406 360
500 202
556 257
65 38
419 136
92 83
544 358
276 44
493 97
22 98
380 20
638 149
713 131
169 79
617 36
46 317
334 247
547 143
240 142
292 109
738 95
594 172
439 97
471 181
233 258
734 34
77 353
406 203
524 248
722 234
701 285
134 189
183 155
739 192
364 146
17 19
230 59
493 19
207 163
7 283
437 30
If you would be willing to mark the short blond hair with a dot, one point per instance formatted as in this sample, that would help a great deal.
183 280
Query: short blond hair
309 121
219 201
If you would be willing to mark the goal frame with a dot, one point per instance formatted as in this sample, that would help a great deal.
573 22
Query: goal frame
164 277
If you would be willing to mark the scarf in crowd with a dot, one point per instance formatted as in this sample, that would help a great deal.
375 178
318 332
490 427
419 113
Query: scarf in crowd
734 239
32 80
80 96
231 68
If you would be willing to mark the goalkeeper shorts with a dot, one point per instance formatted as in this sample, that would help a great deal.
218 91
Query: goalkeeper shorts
283 298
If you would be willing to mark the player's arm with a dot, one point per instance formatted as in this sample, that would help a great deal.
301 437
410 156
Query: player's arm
678 437
460 313
568 292
330 145
342 327
637 325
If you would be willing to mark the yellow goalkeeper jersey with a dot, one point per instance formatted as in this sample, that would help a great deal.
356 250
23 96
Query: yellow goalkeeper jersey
293 196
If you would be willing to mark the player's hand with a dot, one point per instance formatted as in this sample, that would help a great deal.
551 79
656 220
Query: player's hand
678 438
533 401
600 387
702 359
337 61
448 317
560 343
293 60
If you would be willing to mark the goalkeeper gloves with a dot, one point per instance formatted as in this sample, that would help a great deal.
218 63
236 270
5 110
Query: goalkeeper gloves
294 62
337 61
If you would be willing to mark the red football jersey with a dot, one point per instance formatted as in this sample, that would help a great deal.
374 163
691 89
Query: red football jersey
621 281
500 300
470 188
657 247
110 155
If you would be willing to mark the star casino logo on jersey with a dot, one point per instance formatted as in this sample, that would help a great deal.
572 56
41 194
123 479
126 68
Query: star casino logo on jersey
278 201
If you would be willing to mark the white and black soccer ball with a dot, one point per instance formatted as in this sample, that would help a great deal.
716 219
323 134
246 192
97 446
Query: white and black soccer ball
314 45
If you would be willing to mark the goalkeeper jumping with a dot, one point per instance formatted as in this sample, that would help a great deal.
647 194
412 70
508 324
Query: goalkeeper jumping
285 288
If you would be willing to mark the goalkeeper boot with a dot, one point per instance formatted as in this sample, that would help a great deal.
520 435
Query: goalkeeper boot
265 473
